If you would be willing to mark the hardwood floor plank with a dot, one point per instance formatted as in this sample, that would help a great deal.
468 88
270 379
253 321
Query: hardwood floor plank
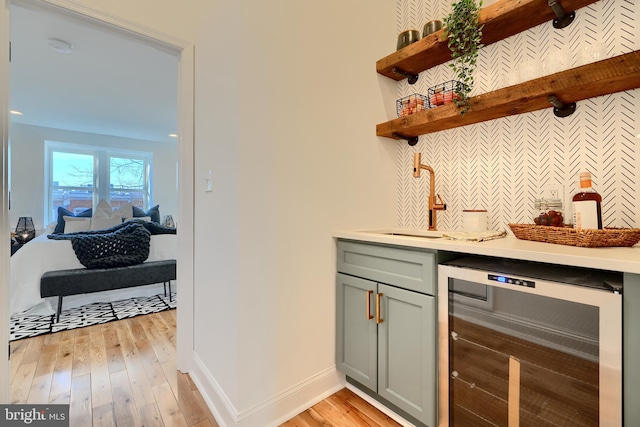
100 379
43 376
353 402
103 416
163 349
307 418
62 371
187 401
52 339
40 387
171 375
168 406
342 409
140 386
115 358
16 354
136 329
146 353
81 354
150 415
32 352
153 369
124 407
21 383
203 406
205 423
161 325
339 415
80 410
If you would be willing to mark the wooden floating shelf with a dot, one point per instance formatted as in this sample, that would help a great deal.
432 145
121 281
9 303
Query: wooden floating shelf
502 19
599 78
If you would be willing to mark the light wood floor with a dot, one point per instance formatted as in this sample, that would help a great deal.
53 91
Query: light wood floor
123 373
120 373
342 409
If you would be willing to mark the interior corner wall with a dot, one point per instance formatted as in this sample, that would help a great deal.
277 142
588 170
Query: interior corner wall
287 127
28 148
502 165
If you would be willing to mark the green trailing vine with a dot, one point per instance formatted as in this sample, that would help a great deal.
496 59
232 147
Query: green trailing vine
463 28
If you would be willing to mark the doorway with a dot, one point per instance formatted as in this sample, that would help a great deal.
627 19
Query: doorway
184 53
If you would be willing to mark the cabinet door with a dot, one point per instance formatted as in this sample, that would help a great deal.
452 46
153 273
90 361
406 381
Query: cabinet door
356 335
407 352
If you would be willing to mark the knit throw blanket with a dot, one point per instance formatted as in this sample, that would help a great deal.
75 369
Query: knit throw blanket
119 246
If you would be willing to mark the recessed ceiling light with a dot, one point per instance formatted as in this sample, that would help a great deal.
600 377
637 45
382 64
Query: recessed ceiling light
60 46
16 112
173 135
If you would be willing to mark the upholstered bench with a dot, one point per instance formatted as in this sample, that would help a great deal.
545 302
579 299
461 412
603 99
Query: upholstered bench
62 283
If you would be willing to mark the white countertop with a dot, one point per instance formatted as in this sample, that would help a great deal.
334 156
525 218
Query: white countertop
608 258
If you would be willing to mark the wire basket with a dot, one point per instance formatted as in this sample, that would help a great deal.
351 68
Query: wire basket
624 237
444 93
411 104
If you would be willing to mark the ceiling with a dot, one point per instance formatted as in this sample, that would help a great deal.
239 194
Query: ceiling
111 83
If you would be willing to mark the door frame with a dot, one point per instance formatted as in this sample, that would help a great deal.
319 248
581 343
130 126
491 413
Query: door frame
185 53
4 200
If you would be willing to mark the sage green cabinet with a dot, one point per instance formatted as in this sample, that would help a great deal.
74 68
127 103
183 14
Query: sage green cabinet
386 333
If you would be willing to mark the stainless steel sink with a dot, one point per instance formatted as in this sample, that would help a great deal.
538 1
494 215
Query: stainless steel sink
408 232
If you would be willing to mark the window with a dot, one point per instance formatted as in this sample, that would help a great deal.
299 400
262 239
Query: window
80 176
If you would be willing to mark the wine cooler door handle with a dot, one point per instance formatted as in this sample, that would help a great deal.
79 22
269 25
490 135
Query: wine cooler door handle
369 315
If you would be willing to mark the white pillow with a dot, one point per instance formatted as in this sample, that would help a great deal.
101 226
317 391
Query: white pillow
103 210
144 218
73 224
102 223
125 211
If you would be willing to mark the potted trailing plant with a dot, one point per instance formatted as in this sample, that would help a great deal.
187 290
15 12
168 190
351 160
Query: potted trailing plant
463 28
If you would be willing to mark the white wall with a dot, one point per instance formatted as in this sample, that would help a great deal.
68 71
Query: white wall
27 171
287 98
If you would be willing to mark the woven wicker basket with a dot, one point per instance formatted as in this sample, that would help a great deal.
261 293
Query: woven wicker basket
572 237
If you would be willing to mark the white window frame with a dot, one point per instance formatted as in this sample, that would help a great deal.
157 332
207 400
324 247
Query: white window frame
101 171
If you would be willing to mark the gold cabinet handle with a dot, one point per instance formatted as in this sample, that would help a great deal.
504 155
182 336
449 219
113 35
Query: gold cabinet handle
378 318
369 315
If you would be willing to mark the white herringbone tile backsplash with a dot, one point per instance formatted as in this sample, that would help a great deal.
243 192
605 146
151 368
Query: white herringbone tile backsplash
503 165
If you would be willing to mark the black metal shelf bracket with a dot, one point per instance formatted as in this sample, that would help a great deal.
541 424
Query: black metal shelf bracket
560 109
563 19
411 140
411 78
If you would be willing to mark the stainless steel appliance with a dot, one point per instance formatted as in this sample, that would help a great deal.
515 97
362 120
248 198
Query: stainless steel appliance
528 344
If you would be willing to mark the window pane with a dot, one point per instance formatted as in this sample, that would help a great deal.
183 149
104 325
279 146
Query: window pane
127 181
72 170
75 201
121 198
126 173
81 175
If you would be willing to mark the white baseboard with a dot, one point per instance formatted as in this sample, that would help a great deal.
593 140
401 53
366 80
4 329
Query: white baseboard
272 412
